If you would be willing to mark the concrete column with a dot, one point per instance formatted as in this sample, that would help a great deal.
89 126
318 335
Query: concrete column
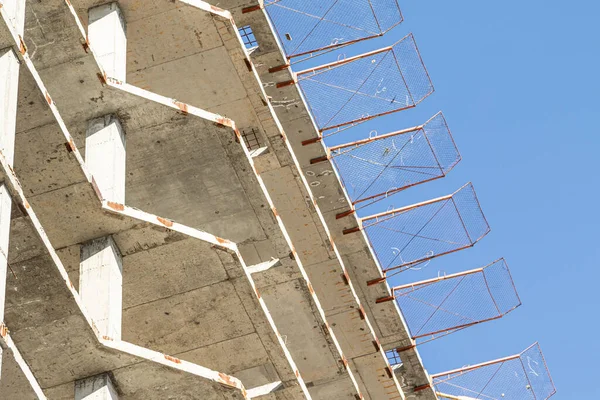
105 156
97 387
15 9
107 35
9 85
9 81
101 285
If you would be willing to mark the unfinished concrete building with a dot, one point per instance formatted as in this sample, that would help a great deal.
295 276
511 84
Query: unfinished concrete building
172 226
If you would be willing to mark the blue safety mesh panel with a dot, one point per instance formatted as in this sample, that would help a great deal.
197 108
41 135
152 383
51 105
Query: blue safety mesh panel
437 307
307 28
515 378
409 235
347 92
377 167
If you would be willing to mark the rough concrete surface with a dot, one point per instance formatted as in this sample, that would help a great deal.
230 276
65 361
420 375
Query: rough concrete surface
310 321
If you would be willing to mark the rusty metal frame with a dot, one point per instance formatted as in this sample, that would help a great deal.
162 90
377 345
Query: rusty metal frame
449 375
374 219
307 73
448 330
339 150
307 54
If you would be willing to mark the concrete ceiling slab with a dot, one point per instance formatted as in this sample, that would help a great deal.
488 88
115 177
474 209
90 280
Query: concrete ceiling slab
41 309
336 389
14 383
188 320
6 36
316 356
327 279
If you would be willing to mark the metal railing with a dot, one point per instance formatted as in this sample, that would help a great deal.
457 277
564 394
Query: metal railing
374 168
437 307
407 237
349 91
518 377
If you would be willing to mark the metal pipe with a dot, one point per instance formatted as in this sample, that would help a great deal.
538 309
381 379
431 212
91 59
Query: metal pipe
344 61
407 208
472 367
439 278
372 139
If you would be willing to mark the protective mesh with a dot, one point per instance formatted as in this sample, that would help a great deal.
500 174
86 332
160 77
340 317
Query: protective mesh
406 236
523 377
537 372
308 28
348 92
372 170
438 307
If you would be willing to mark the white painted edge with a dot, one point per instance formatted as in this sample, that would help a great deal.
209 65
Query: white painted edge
23 365
209 8
257 152
176 363
169 102
263 266
264 389
132 212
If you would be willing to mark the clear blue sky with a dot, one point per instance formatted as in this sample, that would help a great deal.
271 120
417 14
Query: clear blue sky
518 84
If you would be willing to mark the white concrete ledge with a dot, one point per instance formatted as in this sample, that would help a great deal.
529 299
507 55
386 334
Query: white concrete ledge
263 266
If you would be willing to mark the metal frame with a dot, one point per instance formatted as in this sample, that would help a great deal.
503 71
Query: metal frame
499 310
347 148
338 43
375 219
444 377
325 68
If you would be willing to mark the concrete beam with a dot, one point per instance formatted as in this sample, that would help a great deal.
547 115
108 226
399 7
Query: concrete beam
98 387
9 85
105 156
101 285
108 38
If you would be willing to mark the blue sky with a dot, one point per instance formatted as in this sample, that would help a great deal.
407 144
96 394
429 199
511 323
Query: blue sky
517 82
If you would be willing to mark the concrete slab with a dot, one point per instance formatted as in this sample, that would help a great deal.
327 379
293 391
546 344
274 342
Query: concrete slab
30 322
8 38
17 381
